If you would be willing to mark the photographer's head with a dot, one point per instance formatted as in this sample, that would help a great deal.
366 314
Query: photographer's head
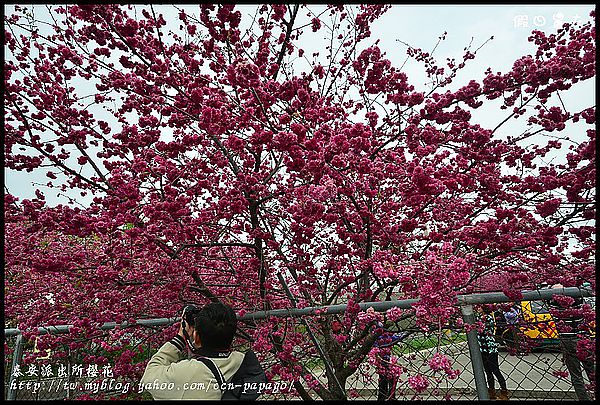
215 325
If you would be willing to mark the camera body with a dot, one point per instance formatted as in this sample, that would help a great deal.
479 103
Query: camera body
188 315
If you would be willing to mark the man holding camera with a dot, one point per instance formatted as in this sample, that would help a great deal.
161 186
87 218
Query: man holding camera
214 371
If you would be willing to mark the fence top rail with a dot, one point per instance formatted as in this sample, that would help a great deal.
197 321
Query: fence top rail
380 306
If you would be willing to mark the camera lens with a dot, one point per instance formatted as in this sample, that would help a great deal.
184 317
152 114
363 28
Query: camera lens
188 314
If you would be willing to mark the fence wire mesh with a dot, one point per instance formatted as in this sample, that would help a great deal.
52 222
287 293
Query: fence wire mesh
399 369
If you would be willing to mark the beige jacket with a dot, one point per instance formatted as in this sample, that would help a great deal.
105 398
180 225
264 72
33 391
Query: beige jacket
171 375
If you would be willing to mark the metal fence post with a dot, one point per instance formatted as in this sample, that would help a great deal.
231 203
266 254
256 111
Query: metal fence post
12 391
476 360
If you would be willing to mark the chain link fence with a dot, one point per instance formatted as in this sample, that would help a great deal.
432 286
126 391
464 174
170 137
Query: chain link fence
535 371
400 366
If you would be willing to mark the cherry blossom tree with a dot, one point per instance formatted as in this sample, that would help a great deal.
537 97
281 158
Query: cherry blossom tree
218 166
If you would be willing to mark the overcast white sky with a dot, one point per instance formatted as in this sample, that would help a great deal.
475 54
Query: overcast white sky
420 26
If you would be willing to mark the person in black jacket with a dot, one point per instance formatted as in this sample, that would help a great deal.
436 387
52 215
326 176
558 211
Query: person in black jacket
489 354
568 322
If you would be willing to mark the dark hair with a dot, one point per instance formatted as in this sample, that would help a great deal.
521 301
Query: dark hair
215 324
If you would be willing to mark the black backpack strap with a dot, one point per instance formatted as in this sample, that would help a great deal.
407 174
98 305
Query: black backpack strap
215 370
250 373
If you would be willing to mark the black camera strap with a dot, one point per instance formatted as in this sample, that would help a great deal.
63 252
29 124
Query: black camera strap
193 348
